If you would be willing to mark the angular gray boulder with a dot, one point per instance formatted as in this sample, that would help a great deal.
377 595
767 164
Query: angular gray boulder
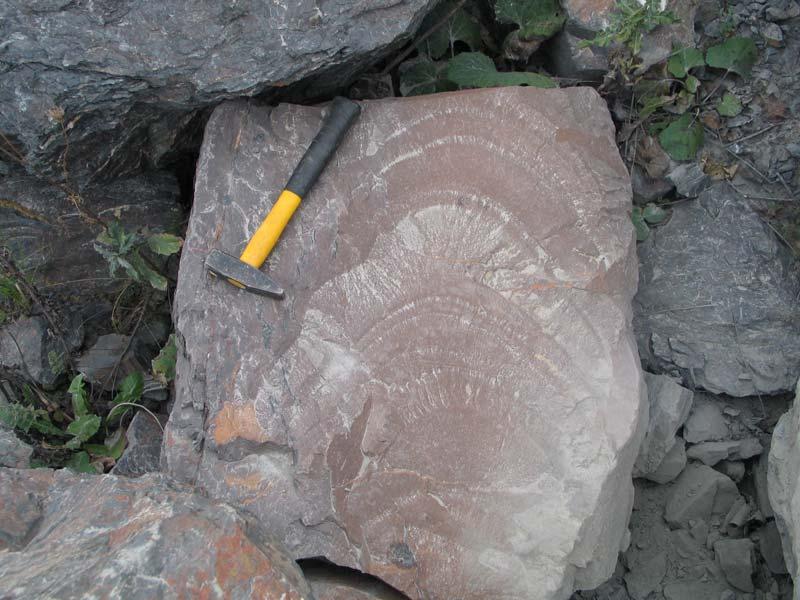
69 536
126 78
449 397
718 299
783 482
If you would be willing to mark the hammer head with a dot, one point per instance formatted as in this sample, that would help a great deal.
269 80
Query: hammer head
242 275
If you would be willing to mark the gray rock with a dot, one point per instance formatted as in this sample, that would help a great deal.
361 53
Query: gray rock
143 451
710 453
721 313
30 347
568 59
772 34
647 577
791 10
647 189
760 469
700 492
705 422
769 545
669 406
783 474
735 558
14 452
659 43
689 179
734 469
423 323
672 464
73 536
122 108
734 522
49 240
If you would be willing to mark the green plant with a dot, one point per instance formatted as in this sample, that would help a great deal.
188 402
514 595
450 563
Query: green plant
629 22
643 218
163 365
12 301
536 19
122 249
442 65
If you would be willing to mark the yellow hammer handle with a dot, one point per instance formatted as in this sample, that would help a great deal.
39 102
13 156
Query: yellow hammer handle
267 234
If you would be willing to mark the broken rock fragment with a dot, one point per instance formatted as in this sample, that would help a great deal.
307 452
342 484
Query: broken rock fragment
69 536
419 407
736 561
699 493
669 406
710 453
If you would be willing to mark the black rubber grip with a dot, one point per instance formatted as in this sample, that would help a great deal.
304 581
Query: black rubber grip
340 117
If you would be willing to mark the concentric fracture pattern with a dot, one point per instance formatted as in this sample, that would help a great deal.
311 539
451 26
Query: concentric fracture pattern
449 398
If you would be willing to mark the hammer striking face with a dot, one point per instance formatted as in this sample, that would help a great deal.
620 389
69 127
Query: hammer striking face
244 272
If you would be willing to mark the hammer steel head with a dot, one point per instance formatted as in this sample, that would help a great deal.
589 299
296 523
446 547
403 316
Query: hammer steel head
242 275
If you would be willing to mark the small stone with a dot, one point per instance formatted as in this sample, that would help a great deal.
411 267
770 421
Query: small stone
705 422
689 179
734 469
143 452
770 547
571 60
672 464
736 518
699 530
731 412
793 149
700 492
670 404
14 452
735 558
727 595
712 539
710 453
647 189
790 11
646 577
760 468
772 34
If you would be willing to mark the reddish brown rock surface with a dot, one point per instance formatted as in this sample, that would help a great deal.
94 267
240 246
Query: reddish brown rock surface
449 397
71 536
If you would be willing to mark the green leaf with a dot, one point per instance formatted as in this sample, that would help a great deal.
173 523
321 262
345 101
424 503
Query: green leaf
475 69
55 361
737 54
165 244
422 76
459 27
16 416
80 463
145 272
729 105
113 446
653 214
80 402
642 230
131 388
163 365
692 84
536 18
82 429
684 59
682 138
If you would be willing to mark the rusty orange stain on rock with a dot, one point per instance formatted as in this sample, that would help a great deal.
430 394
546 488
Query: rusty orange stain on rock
235 421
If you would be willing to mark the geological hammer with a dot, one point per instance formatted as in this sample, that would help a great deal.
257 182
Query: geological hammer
243 272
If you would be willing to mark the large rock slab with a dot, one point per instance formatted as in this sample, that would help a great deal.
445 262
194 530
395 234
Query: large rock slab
717 301
125 78
783 483
449 397
71 536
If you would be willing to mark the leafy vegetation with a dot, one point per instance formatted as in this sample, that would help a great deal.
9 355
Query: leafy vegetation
643 218
122 250
450 51
537 19
12 301
89 435
629 22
